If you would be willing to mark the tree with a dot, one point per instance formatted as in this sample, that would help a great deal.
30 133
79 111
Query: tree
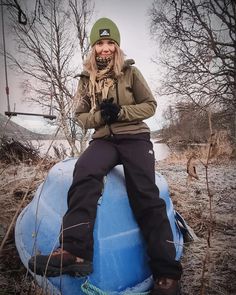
47 47
82 13
185 124
198 51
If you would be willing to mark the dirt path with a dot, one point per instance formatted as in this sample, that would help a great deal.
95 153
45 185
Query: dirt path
190 200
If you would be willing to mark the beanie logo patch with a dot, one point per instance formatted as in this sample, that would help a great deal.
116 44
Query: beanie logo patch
104 33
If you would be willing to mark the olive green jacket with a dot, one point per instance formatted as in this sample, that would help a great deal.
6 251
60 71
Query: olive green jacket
131 93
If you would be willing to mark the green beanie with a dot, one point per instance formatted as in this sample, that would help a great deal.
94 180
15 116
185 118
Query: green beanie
104 28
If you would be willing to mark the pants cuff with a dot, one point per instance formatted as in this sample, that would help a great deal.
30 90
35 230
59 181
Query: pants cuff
85 254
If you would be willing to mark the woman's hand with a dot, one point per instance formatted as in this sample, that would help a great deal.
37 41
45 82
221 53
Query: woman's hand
109 110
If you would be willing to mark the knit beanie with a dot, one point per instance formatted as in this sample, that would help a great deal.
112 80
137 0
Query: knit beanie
104 28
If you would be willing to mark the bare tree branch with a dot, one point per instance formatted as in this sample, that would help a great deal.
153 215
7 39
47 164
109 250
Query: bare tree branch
46 50
197 41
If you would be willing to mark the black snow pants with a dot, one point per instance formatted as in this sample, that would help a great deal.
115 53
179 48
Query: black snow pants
135 153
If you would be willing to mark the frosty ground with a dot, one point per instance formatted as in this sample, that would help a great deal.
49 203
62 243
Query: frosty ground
190 199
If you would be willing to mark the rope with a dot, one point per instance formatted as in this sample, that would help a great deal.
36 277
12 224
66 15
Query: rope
90 289
51 74
23 22
5 58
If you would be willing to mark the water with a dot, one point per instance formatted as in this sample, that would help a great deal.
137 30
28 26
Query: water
161 150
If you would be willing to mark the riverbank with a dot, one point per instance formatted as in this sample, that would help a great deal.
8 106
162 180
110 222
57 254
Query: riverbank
190 199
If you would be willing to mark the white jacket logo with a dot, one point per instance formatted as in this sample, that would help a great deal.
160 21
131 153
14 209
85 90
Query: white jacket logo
104 32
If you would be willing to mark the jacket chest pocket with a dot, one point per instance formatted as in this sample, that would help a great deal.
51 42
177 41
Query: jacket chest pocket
125 94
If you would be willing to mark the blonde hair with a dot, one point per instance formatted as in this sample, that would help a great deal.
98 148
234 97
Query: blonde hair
90 64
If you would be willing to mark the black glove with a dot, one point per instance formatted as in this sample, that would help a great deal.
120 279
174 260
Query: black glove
109 110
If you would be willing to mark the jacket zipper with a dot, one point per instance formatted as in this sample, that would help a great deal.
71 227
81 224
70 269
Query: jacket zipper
118 102
117 93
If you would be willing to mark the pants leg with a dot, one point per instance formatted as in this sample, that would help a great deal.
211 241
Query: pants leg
78 222
149 209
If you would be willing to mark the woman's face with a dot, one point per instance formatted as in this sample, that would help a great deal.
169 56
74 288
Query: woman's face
105 48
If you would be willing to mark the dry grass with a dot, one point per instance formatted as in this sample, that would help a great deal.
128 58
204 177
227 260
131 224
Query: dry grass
14 184
191 200
222 151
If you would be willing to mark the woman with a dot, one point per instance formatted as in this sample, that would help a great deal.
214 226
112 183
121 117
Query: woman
114 99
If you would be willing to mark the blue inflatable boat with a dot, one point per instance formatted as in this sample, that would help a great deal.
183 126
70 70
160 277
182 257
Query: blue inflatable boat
120 260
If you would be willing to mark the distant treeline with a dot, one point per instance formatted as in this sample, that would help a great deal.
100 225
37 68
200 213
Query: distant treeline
189 124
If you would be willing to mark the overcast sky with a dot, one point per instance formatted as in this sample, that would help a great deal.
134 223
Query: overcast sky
131 17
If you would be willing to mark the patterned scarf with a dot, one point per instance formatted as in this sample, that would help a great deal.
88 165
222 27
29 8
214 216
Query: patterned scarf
103 82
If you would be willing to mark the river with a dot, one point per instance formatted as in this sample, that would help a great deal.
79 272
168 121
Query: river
161 150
